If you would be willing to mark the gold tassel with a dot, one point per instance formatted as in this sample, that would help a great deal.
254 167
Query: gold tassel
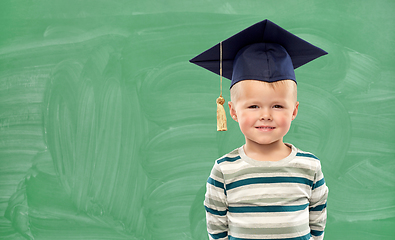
221 115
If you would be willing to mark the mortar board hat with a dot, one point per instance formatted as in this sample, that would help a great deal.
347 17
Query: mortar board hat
263 51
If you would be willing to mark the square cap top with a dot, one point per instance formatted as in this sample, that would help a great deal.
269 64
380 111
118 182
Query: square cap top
263 51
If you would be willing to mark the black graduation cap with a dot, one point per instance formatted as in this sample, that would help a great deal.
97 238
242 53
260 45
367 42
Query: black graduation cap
263 51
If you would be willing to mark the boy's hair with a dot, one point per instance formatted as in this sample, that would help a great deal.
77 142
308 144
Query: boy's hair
234 90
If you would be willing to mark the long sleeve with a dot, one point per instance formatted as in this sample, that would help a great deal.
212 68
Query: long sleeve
317 209
216 205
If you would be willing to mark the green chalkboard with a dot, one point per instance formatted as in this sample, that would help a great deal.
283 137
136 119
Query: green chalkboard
108 132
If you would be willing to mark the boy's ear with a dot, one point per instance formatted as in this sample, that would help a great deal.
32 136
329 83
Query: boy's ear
295 112
232 111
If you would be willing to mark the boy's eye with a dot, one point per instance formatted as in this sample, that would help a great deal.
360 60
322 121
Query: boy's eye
253 106
277 106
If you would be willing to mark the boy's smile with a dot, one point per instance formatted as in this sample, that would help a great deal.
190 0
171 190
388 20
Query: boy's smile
264 112
265 128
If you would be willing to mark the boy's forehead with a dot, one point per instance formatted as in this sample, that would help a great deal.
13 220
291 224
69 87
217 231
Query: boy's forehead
282 84
255 88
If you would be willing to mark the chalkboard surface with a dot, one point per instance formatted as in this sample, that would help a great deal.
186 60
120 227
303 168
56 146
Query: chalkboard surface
108 132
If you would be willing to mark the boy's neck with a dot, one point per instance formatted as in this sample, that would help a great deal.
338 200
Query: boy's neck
267 152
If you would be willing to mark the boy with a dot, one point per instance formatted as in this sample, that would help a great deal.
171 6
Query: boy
266 189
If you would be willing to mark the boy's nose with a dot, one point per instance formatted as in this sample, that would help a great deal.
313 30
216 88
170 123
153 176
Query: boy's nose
265 115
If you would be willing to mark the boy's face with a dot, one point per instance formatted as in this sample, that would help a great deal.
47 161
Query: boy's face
264 113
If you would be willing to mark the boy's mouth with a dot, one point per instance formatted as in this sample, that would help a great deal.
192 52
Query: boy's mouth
265 128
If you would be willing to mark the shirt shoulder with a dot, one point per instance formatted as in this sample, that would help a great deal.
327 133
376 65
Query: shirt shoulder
307 160
230 157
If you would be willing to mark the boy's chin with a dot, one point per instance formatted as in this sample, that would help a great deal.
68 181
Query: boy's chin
264 142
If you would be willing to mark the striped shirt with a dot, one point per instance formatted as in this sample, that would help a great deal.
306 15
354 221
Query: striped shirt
249 199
